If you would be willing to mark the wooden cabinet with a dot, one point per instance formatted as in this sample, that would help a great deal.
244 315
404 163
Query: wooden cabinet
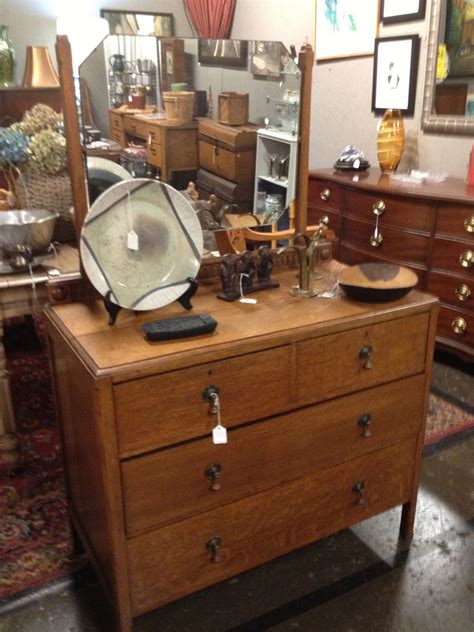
318 439
427 227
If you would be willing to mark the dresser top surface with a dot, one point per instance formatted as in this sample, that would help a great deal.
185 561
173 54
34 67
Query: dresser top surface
452 189
277 318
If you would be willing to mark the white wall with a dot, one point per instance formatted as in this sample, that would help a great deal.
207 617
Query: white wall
341 89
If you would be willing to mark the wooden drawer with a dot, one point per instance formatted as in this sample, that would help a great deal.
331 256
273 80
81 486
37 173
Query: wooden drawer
169 408
119 137
330 365
154 135
154 152
116 121
237 166
399 211
316 212
446 255
173 561
455 289
324 193
136 127
447 318
454 219
268 453
396 245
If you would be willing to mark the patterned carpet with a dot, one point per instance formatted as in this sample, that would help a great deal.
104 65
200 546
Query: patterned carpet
35 541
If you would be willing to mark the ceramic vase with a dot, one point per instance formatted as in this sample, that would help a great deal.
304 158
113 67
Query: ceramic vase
390 141
7 58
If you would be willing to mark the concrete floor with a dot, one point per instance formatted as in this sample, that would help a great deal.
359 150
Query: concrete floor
359 580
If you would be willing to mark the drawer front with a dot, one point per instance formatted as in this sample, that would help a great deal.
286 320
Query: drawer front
456 219
182 149
118 137
332 365
116 121
135 127
402 212
456 325
398 245
169 408
455 289
267 454
457 256
236 166
154 154
175 560
316 212
326 194
154 135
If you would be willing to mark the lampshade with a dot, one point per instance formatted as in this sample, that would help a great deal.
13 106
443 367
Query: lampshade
84 34
39 69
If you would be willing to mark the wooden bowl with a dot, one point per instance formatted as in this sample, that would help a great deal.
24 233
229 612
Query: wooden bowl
376 282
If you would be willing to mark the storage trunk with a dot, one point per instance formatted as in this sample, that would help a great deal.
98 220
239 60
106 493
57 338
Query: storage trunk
227 151
226 192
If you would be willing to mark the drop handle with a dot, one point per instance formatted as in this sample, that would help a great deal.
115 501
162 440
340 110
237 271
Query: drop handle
213 474
358 490
364 422
459 326
378 208
209 395
466 259
213 546
463 292
469 224
376 239
325 195
366 356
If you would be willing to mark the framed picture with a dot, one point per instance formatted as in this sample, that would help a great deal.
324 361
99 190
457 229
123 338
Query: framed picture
223 53
139 23
393 11
267 59
345 28
395 73
460 37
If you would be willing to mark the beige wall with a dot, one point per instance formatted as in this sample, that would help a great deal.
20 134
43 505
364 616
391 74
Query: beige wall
341 90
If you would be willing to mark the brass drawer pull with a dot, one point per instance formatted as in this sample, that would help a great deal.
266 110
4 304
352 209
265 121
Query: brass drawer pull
459 326
325 194
364 422
469 224
463 292
466 259
213 473
213 546
358 489
209 395
376 240
379 208
366 355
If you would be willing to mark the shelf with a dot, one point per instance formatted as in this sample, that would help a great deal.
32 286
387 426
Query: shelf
274 180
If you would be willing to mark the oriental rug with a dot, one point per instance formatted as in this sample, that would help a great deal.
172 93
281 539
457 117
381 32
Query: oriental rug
36 545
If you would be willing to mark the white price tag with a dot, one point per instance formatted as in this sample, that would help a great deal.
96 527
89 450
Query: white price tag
219 434
132 240
252 301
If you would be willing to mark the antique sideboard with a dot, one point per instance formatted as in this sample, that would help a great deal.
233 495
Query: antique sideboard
324 401
427 227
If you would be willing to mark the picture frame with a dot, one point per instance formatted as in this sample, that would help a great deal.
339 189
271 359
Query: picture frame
345 28
395 73
139 22
395 11
266 59
223 53
458 38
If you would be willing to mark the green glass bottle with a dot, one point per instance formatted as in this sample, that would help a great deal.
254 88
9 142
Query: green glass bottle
7 58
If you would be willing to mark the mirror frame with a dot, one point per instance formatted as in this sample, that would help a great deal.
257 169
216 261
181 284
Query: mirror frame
429 121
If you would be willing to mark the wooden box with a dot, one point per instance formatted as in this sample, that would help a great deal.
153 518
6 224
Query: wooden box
228 152
233 108
179 106
226 192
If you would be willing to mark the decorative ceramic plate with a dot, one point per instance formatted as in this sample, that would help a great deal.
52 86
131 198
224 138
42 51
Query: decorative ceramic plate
153 268
102 174
377 281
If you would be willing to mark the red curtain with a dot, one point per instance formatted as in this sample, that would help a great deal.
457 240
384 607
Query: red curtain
211 18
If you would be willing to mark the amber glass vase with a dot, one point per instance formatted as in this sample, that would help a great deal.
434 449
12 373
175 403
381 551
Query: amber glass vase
390 140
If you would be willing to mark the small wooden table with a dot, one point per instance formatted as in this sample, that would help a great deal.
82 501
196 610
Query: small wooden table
21 294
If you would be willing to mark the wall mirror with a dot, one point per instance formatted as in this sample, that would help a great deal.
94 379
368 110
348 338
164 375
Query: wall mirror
142 23
128 82
448 104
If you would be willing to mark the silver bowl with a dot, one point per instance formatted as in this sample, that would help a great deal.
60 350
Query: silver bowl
26 228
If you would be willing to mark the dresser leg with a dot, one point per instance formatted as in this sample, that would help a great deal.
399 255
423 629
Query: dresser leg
9 452
408 521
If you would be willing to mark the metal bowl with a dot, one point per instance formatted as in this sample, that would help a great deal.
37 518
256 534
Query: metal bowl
26 228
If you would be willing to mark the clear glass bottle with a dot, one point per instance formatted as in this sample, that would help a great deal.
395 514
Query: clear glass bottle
7 58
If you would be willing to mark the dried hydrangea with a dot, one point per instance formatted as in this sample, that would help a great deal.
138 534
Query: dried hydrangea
13 147
48 149
40 117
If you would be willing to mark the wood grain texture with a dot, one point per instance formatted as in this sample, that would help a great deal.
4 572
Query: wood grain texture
444 284
445 325
451 218
446 253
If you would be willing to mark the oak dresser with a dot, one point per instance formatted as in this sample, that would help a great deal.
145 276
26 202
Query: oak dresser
324 401
427 227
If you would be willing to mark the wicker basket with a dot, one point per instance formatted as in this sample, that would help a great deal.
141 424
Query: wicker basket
36 189
233 108
179 106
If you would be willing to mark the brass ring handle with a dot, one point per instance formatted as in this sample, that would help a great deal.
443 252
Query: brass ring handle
364 422
213 546
376 240
463 292
469 224
213 473
459 326
466 259
379 208
366 355
358 489
325 194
